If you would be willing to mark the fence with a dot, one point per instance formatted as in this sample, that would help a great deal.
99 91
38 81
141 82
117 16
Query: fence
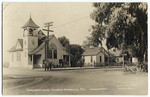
114 64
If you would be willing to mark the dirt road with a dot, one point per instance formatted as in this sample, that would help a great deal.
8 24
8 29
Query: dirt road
108 81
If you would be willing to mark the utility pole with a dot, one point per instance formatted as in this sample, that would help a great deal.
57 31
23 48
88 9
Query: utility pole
142 48
48 25
123 49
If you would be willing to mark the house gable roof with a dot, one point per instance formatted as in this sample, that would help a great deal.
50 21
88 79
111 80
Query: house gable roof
35 51
30 23
20 42
40 34
64 49
18 46
91 51
94 51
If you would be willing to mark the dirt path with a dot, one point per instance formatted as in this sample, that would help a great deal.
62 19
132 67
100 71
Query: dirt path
73 82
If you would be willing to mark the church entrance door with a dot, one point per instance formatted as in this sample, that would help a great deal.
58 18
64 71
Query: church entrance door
36 60
65 60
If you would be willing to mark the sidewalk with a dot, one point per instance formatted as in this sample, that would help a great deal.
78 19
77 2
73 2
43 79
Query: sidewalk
81 68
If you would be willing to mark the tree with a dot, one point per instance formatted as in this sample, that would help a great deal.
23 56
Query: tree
88 42
74 50
76 54
64 41
123 25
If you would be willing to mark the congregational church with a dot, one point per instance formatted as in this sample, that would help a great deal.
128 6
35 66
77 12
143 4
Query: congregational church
29 52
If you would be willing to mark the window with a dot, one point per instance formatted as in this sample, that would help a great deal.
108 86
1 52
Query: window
12 57
31 57
49 54
23 33
117 59
33 42
25 54
106 59
91 59
30 32
52 52
55 54
24 42
18 56
100 59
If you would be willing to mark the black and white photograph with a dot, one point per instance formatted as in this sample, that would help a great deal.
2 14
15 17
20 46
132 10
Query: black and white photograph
74 48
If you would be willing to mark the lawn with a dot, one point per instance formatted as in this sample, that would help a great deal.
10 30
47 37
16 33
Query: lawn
102 81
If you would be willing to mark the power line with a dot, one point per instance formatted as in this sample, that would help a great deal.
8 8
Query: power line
70 22
73 27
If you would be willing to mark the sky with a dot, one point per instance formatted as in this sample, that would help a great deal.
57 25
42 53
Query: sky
69 19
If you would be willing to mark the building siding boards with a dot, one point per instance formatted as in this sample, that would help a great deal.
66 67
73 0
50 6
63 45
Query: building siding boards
14 59
90 60
102 57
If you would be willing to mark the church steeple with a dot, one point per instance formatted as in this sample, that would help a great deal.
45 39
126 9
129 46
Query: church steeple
30 23
30 15
30 38
30 28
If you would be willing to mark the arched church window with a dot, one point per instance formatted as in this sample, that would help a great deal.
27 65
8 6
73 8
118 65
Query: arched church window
12 56
52 46
49 54
52 52
55 54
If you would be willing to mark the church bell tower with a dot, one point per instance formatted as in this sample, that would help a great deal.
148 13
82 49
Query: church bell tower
30 37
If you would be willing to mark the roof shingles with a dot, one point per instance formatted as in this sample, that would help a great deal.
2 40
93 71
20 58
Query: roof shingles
94 51
36 50
14 48
30 23
91 51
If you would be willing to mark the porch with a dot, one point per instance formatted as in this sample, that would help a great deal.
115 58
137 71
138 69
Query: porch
36 60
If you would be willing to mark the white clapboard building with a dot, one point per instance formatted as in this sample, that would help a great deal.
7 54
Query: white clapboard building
95 55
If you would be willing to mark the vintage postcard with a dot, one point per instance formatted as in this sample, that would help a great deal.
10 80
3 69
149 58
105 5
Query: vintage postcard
75 48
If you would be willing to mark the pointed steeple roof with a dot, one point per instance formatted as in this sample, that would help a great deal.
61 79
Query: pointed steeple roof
30 23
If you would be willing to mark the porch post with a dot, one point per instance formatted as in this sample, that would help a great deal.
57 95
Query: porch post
32 58
108 60
69 61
